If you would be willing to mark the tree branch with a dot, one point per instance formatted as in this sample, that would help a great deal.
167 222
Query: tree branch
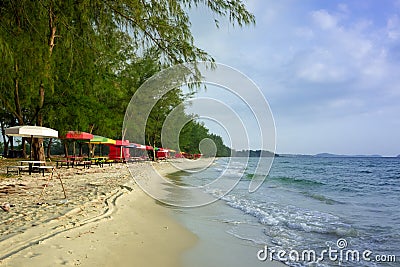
148 34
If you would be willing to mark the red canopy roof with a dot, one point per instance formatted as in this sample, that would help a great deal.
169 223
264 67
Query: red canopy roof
122 143
77 135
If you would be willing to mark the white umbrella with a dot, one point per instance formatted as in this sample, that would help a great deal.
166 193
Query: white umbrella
35 132
32 132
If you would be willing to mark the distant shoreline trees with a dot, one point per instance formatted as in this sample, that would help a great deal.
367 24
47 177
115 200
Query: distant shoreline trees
253 153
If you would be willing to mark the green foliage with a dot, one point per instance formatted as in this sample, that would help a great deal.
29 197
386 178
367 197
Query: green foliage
88 57
192 135
222 149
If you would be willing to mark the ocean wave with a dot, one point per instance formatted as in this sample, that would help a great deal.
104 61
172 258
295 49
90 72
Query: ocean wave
321 198
291 218
250 176
296 181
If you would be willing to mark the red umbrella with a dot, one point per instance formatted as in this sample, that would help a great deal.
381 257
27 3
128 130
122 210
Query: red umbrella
122 143
138 146
142 147
77 135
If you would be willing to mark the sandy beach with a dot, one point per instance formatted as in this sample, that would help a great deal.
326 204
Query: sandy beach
107 220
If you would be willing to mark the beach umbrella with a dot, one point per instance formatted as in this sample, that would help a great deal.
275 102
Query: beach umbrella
77 135
142 147
138 146
32 132
132 145
101 140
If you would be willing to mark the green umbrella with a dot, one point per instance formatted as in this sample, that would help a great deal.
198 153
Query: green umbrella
100 140
97 140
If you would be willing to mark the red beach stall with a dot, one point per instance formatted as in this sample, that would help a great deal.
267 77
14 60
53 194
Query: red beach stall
119 151
78 136
162 153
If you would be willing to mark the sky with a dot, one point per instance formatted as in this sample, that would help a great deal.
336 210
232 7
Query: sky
328 69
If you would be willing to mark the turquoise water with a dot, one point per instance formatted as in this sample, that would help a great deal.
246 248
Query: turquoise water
342 204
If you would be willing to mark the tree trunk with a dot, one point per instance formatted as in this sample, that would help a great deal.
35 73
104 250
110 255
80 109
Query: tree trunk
38 149
92 149
49 148
154 152
11 140
66 148
18 110
23 147
91 146
5 152
80 149
3 133
37 144
7 147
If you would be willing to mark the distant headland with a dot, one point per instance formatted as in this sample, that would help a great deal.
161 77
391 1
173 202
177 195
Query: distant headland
253 153
265 153
330 155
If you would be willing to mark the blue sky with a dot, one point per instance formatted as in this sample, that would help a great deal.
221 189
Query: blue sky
329 70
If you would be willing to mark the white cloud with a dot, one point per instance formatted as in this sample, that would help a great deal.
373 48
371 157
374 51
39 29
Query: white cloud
343 8
393 28
305 32
320 66
324 20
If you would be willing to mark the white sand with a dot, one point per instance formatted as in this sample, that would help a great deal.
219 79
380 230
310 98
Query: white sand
132 230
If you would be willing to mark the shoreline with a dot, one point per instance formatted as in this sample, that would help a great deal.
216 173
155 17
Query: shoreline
216 245
131 228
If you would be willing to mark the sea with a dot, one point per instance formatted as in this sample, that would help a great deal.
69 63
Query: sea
309 211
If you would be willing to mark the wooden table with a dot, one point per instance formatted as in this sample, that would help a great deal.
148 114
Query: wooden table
65 161
74 159
31 164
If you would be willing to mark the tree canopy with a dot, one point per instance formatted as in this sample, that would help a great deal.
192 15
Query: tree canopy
74 64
